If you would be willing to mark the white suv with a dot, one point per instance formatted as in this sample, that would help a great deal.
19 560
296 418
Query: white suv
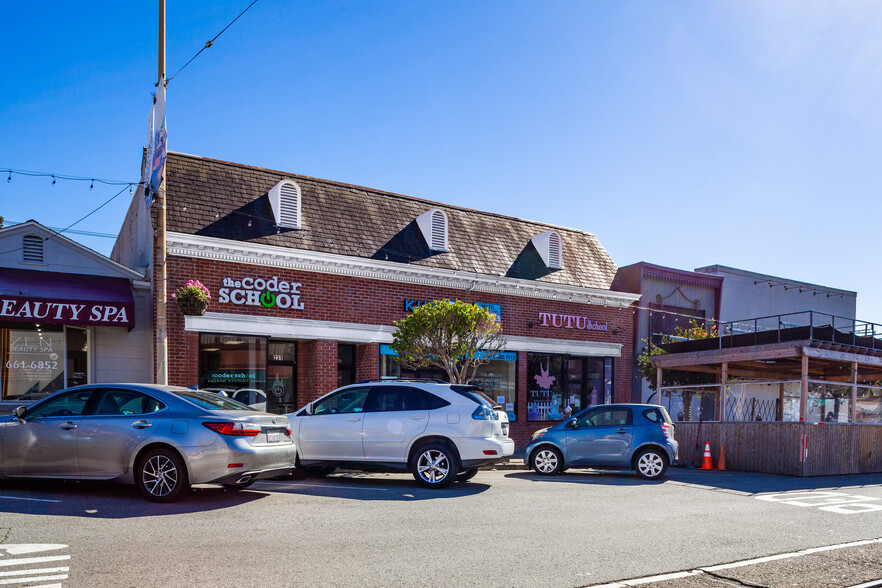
440 432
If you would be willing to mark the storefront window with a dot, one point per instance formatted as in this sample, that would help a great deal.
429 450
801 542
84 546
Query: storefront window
498 377
499 380
561 385
231 362
31 360
545 377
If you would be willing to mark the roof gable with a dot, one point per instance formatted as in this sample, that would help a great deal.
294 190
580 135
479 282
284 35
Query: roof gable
60 254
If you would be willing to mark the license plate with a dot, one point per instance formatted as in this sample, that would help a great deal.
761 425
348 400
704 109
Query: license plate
273 436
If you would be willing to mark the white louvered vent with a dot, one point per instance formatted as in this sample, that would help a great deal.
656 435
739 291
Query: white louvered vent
550 248
433 226
285 200
32 249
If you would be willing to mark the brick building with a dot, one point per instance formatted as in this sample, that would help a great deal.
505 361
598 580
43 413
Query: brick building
308 275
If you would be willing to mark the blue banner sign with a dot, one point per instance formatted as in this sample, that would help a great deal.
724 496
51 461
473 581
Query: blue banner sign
494 309
499 356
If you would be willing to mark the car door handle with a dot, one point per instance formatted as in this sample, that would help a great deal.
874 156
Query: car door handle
417 417
354 419
141 424
622 431
67 426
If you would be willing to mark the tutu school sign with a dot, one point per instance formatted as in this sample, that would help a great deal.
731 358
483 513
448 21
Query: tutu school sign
569 321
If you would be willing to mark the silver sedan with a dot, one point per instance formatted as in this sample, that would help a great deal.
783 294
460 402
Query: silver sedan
160 438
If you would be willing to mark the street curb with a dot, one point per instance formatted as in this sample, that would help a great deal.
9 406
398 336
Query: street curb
512 464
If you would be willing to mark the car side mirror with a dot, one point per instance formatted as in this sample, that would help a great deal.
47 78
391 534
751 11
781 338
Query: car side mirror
572 424
20 412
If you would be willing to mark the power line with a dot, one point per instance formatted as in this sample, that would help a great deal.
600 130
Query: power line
210 43
12 223
76 222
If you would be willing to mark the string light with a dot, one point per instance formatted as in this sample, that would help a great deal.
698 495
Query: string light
53 180
92 185
9 179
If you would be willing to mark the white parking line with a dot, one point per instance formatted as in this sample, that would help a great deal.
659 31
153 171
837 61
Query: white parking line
30 560
739 564
36 579
33 499
35 571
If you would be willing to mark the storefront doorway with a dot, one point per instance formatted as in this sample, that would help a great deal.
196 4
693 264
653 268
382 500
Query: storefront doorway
281 377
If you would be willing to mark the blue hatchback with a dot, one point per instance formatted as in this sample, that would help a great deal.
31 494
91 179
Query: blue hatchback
637 437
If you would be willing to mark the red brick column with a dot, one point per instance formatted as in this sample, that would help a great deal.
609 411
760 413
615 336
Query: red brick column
367 362
316 369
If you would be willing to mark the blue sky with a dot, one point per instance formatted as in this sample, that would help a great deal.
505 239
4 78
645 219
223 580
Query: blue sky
680 133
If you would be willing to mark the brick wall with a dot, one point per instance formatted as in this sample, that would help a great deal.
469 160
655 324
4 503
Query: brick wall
359 300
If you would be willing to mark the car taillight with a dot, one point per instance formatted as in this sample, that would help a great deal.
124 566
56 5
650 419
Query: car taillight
234 429
289 431
485 413
666 429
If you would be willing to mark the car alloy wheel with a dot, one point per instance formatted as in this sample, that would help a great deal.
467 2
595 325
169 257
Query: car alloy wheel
161 476
435 466
547 461
651 465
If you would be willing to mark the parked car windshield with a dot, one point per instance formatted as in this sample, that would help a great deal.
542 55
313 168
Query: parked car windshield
211 400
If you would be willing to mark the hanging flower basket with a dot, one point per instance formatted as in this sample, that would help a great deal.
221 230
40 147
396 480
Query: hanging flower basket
193 298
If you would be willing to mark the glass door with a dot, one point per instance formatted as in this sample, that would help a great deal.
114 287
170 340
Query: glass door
281 377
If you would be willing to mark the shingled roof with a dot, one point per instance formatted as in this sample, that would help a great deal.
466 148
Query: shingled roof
230 201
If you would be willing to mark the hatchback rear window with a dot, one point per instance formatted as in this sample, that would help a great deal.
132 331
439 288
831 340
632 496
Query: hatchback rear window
211 400
656 415
474 393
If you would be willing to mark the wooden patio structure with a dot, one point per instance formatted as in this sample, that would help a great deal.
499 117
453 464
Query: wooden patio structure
850 356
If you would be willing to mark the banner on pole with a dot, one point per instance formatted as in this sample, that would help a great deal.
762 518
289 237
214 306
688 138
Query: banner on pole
158 149
148 159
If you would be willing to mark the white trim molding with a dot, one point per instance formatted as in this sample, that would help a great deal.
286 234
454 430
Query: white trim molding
304 329
198 246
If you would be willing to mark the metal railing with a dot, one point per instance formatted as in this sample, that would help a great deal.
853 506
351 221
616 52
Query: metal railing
809 324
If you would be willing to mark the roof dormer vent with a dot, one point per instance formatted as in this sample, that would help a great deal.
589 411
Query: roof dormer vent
285 199
433 225
32 249
550 248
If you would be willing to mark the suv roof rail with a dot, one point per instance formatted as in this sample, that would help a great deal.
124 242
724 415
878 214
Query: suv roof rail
387 380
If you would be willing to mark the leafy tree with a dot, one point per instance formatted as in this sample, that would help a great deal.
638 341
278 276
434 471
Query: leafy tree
455 336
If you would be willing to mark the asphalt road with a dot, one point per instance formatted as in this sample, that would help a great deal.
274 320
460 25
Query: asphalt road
505 528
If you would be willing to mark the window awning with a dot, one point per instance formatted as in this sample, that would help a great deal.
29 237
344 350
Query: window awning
29 296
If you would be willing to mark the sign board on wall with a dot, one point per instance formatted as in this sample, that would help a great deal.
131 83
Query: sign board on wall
66 312
569 321
267 293
494 309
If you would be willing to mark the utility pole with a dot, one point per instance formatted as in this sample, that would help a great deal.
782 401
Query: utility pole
160 276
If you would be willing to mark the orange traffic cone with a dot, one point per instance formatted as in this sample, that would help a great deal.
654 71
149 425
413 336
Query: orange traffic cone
721 461
706 463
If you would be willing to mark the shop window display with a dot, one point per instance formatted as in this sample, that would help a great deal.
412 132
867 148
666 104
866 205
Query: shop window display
231 362
561 385
498 377
31 360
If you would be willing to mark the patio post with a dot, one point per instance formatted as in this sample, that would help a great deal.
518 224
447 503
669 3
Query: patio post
852 407
721 404
803 388
658 385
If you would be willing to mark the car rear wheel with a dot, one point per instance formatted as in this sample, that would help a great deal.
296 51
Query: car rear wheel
161 475
547 461
650 464
435 466
467 475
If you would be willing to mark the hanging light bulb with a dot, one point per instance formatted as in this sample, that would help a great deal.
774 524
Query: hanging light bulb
249 221
92 185
278 230
53 180
9 179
